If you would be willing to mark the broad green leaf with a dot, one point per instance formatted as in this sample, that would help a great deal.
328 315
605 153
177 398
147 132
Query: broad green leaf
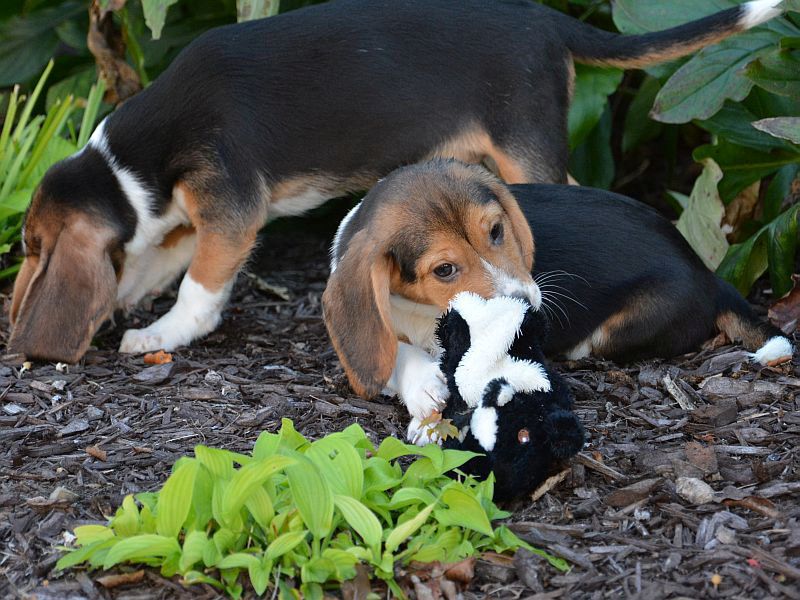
175 500
86 553
312 496
237 560
700 87
194 547
259 504
642 16
360 518
400 533
218 462
340 463
126 521
779 189
15 203
701 222
285 543
141 547
155 14
266 445
745 262
782 250
202 499
742 166
89 534
247 10
408 496
734 123
777 72
343 561
463 510
259 577
392 448
247 479
28 42
787 128
593 86
452 459
318 570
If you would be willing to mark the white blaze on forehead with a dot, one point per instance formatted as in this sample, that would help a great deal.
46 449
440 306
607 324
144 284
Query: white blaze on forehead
493 326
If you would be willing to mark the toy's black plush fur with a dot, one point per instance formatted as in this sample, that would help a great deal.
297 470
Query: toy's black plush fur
520 462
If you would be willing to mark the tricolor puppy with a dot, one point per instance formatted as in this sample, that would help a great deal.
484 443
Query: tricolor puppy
630 286
272 117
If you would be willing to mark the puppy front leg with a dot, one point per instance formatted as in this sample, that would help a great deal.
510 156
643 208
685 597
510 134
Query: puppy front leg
202 295
419 382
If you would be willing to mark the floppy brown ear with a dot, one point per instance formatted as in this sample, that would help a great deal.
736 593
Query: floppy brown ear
29 268
60 303
520 225
356 310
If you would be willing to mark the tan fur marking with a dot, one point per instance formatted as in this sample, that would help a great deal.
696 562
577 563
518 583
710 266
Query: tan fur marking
671 53
470 146
739 330
176 235
220 252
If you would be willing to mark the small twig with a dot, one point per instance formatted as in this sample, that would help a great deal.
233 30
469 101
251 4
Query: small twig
549 484
589 462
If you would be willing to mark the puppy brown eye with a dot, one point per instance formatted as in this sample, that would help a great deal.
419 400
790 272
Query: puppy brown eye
497 234
523 436
445 271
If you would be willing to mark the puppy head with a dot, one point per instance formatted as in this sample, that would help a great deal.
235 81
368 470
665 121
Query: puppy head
425 232
67 284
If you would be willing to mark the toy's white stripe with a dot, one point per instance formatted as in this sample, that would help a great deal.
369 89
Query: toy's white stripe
775 348
484 427
759 11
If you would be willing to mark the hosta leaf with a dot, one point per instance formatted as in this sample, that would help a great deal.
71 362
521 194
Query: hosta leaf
126 522
734 122
340 463
593 85
392 448
89 534
141 547
285 543
247 479
787 128
463 510
452 459
745 262
742 166
777 72
360 518
86 553
399 534
343 561
408 496
237 560
641 16
194 547
701 222
639 127
260 506
318 570
312 496
782 250
218 462
175 499
700 87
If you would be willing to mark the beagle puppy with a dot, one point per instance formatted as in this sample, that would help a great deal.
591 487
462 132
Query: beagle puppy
272 117
615 278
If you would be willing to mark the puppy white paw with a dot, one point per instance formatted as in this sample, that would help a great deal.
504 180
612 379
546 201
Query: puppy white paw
422 434
137 341
426 392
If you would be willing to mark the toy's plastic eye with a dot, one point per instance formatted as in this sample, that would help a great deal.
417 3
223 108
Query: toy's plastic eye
445 271
524 436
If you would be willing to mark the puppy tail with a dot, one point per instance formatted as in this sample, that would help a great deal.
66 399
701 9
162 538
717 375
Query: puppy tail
736 319
597 47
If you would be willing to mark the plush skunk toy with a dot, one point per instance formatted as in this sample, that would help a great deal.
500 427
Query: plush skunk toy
503 400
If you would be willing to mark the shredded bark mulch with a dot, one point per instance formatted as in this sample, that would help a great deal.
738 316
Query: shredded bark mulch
688 487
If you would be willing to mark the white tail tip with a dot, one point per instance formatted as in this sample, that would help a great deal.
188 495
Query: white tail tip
759 11
776 347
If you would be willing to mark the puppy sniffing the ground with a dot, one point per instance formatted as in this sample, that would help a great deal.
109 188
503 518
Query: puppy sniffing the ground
635 288
271 118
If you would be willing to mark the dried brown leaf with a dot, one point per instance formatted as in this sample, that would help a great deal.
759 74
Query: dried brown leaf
157 358
118 579
785 313
97 452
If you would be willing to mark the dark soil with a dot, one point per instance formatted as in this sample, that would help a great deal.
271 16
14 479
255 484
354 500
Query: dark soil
615 515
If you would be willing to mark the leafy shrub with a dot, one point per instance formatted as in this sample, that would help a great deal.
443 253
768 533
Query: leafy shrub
29 145
308 512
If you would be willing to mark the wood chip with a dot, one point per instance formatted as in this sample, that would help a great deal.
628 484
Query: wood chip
97 452
548 484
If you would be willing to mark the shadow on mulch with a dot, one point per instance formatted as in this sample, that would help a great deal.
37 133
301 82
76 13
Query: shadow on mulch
617 515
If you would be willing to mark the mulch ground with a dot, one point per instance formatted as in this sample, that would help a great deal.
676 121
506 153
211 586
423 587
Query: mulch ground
74 443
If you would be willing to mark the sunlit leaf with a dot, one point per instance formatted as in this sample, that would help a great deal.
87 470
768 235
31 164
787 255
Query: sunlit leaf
175 499
360 518
141 547
701 221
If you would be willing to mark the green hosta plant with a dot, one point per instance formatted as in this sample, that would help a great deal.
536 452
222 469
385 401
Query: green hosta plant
302 513
29 145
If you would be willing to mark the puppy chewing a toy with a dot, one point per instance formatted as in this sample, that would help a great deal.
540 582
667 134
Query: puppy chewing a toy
504 402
